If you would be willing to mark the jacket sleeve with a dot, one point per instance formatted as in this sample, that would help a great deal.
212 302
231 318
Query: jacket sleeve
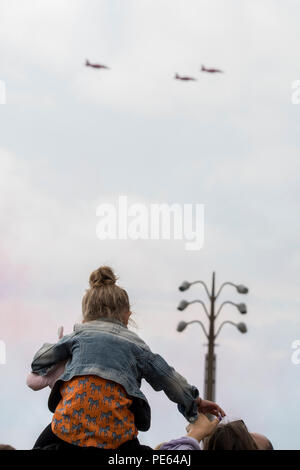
183 443
161 376
49 355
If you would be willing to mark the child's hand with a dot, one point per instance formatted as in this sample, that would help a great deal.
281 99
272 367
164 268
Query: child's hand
202 427
60 332
209 407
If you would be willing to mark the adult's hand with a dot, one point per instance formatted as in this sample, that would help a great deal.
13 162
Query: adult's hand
209 407
202 427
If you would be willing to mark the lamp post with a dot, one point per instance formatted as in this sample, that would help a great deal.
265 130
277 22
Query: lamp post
210 357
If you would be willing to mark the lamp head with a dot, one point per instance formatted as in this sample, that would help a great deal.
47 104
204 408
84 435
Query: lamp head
242 327
242 289
183 304
242 308
181 326
184 286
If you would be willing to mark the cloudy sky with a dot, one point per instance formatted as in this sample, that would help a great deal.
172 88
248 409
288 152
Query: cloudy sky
73 137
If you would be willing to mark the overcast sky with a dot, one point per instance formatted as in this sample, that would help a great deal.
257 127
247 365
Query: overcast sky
73 137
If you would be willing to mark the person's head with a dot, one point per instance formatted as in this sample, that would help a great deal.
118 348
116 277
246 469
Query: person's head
104 299
6 447
230 436
262 442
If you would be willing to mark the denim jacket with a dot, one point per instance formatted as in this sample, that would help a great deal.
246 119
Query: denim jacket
111 351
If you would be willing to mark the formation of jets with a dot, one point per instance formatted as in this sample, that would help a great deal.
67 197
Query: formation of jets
184 78
203 69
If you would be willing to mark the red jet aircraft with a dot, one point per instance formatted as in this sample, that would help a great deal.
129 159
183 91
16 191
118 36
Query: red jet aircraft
95 66
178 77
204 69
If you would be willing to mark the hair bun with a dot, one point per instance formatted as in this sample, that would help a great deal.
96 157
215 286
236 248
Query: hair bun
103 276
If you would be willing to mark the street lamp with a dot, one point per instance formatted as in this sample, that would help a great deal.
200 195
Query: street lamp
186 285
242 327
242 308
184 303
210 358
183 324
239 287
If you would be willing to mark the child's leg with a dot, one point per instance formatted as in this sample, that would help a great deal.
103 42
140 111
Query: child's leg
46 438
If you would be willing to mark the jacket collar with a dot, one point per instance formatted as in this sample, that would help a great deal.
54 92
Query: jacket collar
98 324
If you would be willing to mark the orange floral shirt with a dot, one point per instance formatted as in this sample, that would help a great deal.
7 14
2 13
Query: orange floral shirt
94 412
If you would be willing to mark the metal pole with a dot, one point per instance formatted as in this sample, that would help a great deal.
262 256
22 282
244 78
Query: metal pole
210 358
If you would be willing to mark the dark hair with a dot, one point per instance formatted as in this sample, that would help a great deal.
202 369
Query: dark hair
104 299
6 447
230 436
269 445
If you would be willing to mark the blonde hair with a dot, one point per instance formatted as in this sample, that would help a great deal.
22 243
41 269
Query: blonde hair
159 446
104 299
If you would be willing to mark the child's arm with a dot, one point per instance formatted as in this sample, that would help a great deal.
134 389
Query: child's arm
49 355
38 382
161 376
